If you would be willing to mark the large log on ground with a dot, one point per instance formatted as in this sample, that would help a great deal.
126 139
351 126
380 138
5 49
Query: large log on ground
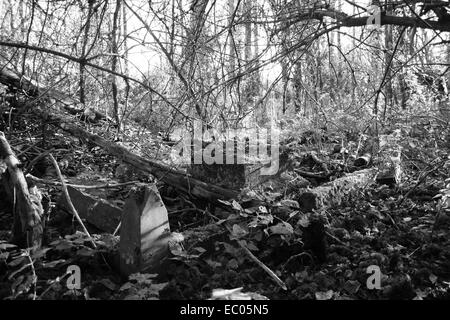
11 79
176 178
334 192
27 229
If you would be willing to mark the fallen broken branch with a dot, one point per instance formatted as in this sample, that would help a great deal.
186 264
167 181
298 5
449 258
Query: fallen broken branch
178 179
272 274
98 186
10 78
332 193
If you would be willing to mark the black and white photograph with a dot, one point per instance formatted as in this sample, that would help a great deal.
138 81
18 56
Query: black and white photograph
225 155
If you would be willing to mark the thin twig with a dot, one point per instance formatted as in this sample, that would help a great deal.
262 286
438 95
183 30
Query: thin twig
69 202
255 259
262 265
336 239
117 228
100 186
297 256
57 280
34 274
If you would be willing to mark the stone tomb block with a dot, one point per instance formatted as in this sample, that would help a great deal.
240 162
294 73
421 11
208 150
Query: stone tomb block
232 171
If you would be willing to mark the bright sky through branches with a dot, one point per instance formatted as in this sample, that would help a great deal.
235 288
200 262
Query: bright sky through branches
146 58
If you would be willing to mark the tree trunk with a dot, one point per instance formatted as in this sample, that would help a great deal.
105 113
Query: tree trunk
83 52
387 61
248 30
232 44
115 53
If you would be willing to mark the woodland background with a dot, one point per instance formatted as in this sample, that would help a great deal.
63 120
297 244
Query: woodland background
79 80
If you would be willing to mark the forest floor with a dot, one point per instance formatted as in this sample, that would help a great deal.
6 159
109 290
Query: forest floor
398 228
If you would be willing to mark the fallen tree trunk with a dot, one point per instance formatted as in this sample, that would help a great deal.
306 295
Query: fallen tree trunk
26 200
11 79
334 192
178 179
70 104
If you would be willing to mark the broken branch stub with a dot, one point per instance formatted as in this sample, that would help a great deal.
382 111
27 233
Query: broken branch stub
389 159
145 231
363 160
27 229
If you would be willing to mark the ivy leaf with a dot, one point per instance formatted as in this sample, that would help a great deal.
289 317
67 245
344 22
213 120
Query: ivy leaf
236 206
225 202
233 264
324 295
304 221
251 246
352 286
108 284
126 286
213 264
145 278
86 252
262 209
16 261
282 228
238 231
40 253
64 245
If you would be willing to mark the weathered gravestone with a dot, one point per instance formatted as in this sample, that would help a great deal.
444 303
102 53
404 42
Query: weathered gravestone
144 232
96 211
